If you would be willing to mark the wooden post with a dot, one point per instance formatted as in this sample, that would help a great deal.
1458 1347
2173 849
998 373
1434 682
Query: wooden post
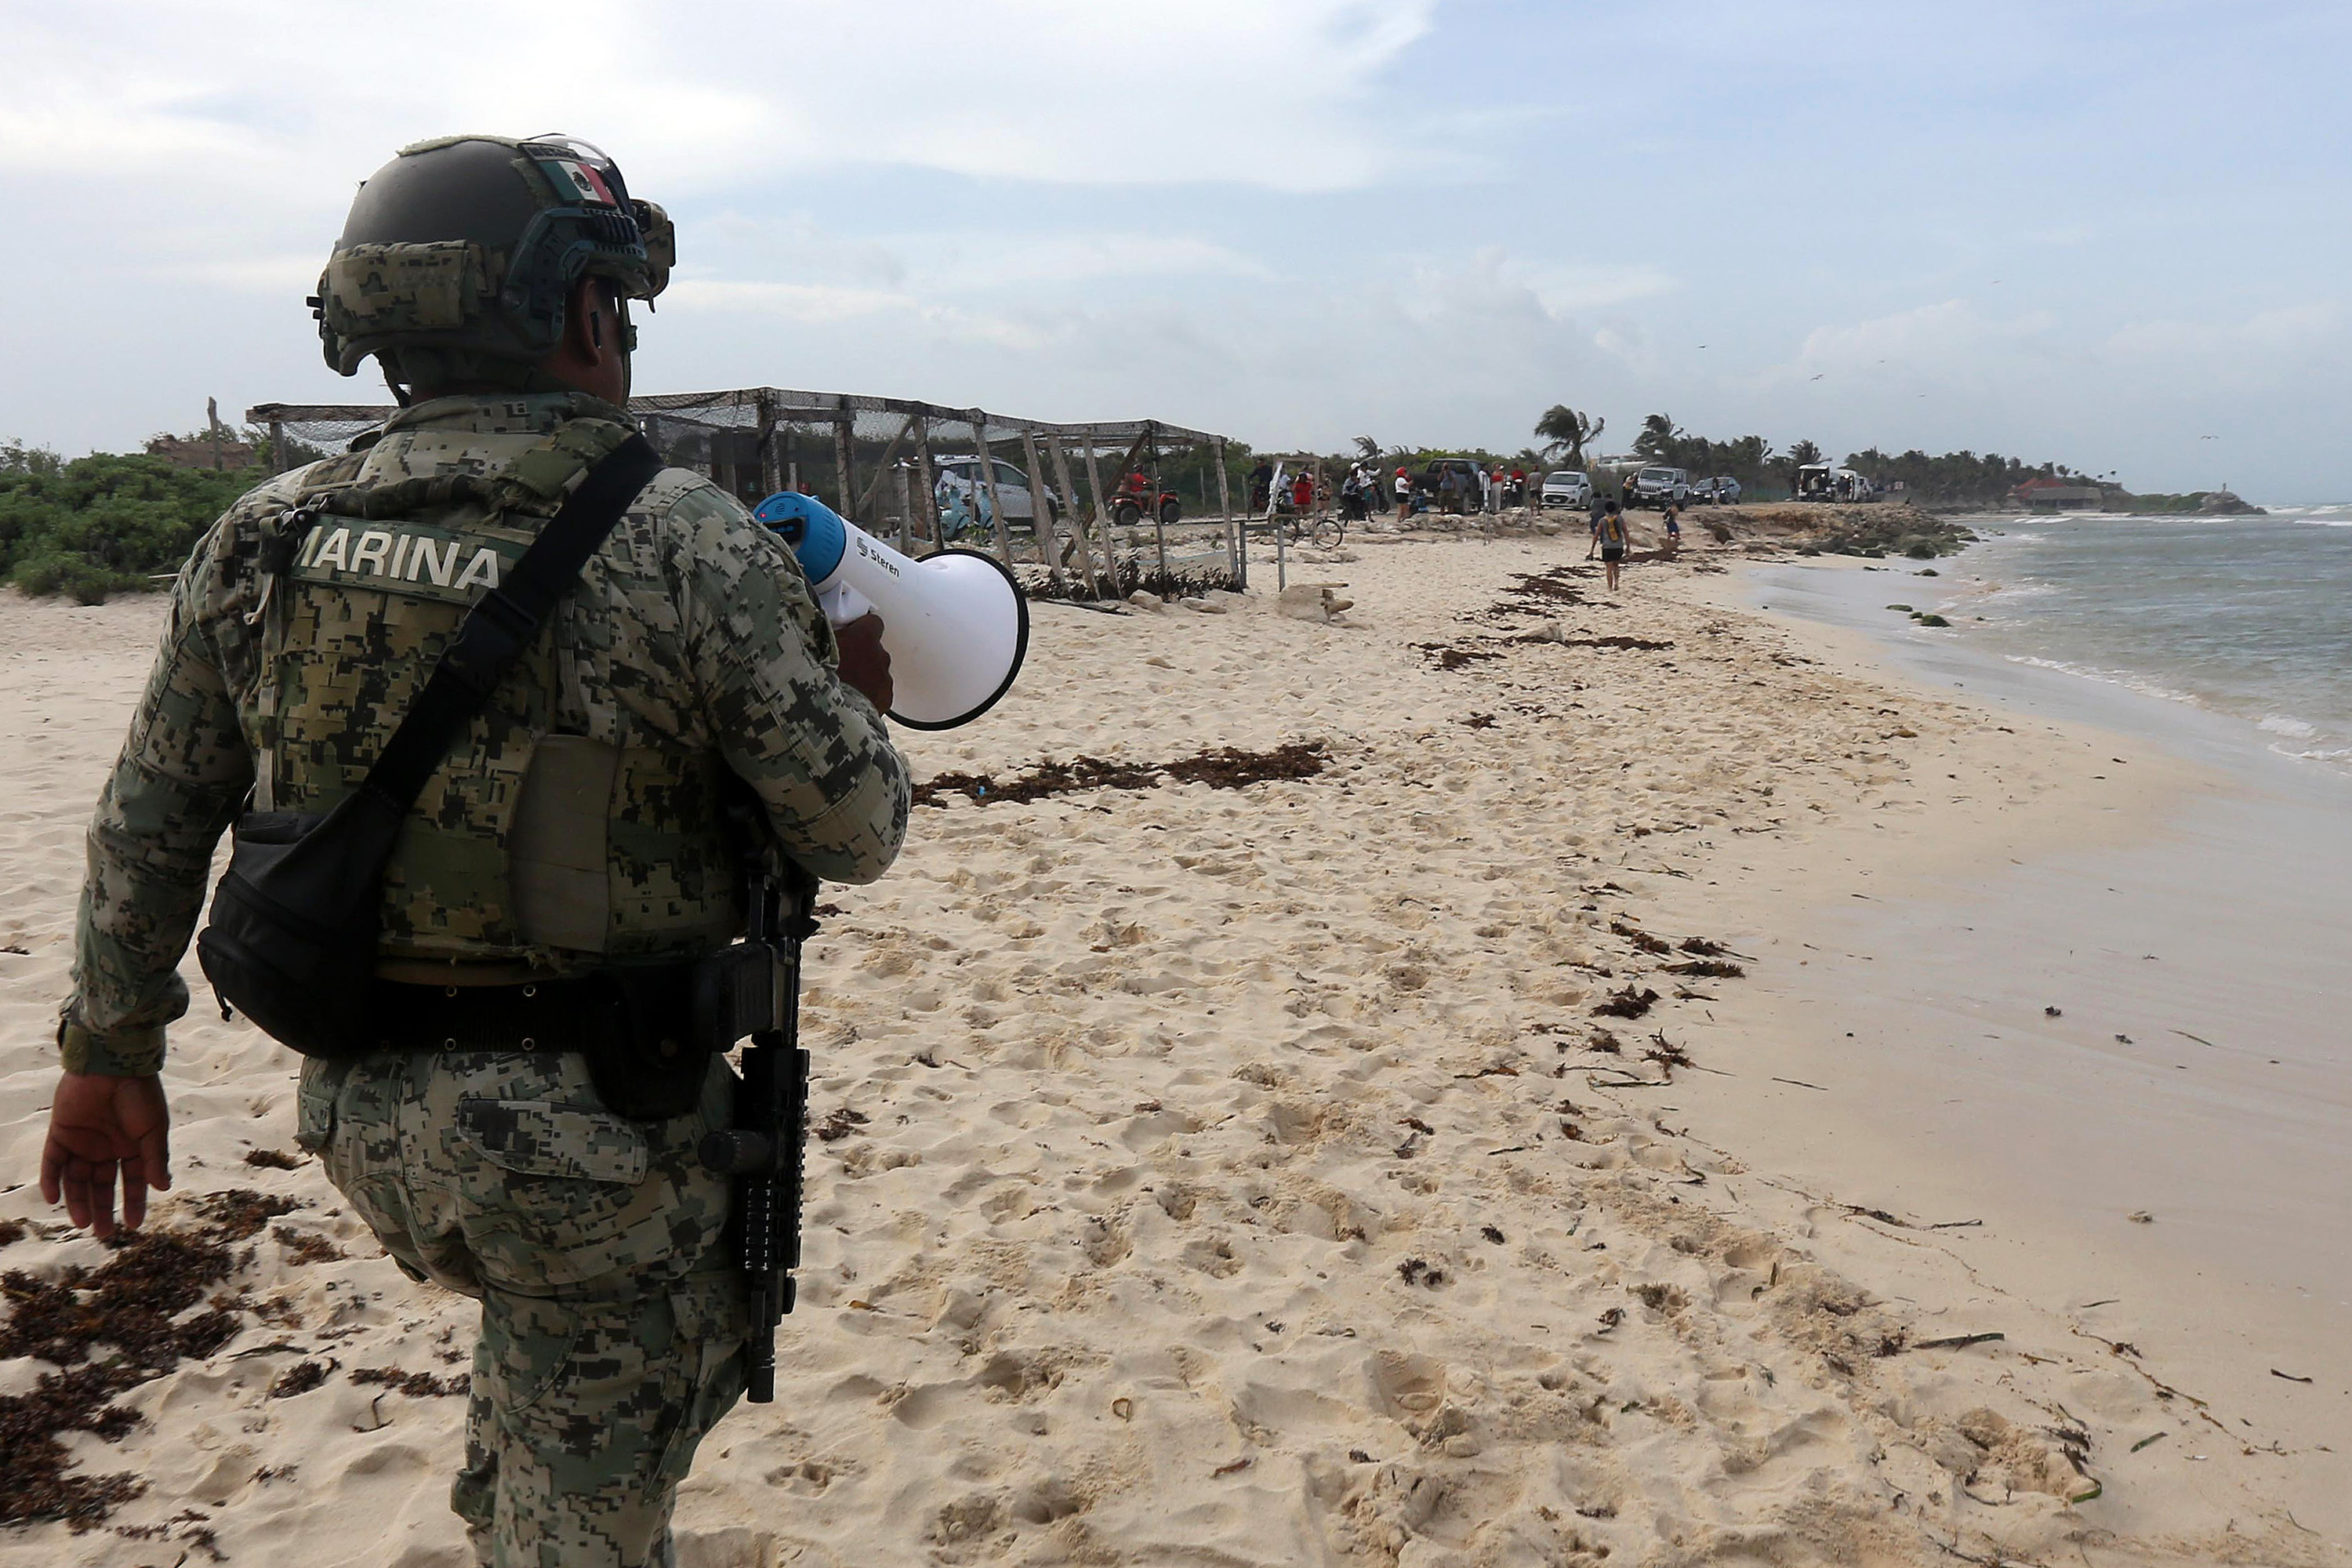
926 478
1077 517
882 467
1041 510
278 445
1158 522
1281 542
1237 540
988 478
1102 516
842 460
771 470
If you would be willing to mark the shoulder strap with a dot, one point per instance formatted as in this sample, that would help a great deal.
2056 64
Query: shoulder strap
504 620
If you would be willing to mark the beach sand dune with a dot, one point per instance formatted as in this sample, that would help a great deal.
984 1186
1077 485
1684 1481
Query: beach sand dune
1229 1175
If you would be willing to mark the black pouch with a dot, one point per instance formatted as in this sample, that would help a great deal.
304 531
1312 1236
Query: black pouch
291 943
648 1063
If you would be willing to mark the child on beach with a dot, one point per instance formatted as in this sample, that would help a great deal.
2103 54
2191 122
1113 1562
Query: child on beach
1610 536
1674 526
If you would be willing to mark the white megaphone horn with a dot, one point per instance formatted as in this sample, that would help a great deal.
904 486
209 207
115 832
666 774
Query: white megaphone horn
955 623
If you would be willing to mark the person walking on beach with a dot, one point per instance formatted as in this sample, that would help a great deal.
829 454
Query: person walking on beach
1403 485
1674 520
1610 535
523 1127
1302 494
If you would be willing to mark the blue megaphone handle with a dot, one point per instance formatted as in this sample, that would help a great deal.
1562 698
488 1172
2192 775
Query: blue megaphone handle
814 531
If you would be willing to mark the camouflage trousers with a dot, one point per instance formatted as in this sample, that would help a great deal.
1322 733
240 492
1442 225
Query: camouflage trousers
613 1319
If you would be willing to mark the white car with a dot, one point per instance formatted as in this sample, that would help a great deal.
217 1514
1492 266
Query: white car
1568 487
960 478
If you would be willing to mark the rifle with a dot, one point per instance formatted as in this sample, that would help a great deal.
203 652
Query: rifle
753 987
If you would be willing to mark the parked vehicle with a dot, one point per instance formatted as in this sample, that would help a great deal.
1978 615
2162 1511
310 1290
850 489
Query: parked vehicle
959 477
1473 479
1656 485
1822 481
1569 488
1726 490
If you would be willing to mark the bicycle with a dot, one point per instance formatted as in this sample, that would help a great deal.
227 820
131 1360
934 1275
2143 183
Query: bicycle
1323 532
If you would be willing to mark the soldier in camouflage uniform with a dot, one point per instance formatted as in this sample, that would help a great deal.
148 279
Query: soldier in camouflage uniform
576 829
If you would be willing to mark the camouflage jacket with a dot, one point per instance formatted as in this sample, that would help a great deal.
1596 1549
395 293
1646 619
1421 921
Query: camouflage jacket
691 650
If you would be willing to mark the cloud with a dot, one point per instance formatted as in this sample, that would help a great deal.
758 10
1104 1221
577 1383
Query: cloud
1293 221
1567 289
1001 260
822 304
2261 348
1949 338
291 272
703 95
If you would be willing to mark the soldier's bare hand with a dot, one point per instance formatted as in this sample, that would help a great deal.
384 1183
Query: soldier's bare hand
100 1128
865 662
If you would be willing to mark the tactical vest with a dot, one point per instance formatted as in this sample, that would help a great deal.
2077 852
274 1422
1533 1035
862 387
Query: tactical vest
564 829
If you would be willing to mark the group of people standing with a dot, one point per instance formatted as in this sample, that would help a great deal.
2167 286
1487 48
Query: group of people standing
1450 486
1456 489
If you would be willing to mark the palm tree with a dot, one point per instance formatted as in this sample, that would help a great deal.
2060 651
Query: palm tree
1656 441
1566 430
1368 447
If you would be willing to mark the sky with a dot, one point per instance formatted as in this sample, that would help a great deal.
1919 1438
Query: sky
2110 235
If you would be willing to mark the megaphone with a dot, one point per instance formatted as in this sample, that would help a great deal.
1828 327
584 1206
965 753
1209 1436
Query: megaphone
955 623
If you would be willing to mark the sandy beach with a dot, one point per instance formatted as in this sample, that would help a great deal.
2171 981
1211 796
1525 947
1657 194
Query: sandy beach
1251 1174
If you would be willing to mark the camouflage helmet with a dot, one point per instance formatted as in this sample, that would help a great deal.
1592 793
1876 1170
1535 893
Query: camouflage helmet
460 255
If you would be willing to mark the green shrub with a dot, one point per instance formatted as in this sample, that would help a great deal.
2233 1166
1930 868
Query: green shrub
105 523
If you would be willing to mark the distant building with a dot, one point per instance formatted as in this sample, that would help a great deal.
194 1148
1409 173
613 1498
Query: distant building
2058 495
215 448
201 452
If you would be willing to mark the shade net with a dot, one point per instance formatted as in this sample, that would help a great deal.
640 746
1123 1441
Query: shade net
1076 510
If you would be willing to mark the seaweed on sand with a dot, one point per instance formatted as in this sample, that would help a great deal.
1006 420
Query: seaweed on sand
1226 767
133 1302
1627 1004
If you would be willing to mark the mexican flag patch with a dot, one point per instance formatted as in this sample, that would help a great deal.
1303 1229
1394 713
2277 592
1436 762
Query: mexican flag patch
578 181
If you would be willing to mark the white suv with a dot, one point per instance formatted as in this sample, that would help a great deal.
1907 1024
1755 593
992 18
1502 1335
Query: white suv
1655 486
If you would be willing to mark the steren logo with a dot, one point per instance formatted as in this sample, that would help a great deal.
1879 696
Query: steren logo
402 557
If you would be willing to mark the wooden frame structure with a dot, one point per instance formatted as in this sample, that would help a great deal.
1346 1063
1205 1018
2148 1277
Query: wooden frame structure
876 459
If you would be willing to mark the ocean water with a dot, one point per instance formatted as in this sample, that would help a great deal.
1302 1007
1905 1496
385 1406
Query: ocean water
2248 617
